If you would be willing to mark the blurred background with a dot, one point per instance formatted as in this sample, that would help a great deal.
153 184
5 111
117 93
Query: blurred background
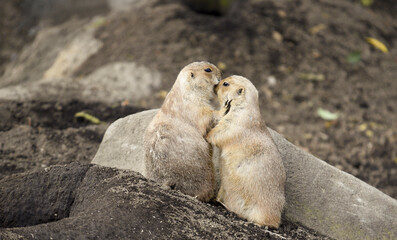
326 72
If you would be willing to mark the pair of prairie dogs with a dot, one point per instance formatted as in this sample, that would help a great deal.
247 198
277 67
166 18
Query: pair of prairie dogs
177 153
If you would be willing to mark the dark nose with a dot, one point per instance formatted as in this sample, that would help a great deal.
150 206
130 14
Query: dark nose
216 88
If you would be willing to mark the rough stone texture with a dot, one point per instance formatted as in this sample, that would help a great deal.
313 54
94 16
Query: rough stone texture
76 53
120 81
62 50
121 146
109 84
331 201
318 195
47 195
47 45
123 5
114 204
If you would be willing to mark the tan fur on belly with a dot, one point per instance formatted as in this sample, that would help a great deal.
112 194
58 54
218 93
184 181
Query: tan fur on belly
252 172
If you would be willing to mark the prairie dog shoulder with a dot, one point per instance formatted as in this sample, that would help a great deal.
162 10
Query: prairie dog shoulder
252 172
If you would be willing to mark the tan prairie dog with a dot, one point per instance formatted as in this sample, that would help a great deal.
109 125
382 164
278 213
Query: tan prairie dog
252 172
176 152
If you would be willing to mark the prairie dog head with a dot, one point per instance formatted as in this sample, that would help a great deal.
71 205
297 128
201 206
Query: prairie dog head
199 78
236 91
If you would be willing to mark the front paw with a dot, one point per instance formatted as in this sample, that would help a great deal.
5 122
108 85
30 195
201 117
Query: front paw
205 197
210 137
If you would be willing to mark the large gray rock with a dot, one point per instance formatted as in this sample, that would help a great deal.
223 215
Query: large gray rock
319 196
121 146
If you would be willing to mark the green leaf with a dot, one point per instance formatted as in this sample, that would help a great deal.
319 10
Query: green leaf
327 115
354 57
312 76
367 3
88 117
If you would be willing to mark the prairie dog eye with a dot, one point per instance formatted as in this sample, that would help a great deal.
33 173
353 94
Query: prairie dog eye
208 70
225 84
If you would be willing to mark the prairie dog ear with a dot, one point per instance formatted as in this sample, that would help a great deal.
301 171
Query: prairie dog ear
240 91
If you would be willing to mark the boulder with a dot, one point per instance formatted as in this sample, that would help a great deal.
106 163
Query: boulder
122 144
318 195
83 201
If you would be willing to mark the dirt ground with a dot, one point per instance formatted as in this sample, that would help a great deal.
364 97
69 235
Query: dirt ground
295 52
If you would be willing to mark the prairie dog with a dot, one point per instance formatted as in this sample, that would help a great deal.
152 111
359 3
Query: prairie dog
176 152
252 172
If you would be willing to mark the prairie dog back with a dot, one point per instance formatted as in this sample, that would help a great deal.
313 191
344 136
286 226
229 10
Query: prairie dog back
176 153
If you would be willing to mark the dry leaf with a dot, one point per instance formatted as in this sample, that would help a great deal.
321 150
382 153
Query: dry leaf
316 54
374 125
124 103
277 36
329 124
378 44
282 13
162 94
308 136
98 22
317 28
221 66
362 127
369 133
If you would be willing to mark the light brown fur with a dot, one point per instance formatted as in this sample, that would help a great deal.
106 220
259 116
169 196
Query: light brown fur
176 152
252 172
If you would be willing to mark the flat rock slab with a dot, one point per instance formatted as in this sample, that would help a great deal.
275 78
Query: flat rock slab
82 201
319 196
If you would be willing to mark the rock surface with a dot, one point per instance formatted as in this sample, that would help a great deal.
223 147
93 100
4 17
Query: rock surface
82 201
121 145
318 195
63 50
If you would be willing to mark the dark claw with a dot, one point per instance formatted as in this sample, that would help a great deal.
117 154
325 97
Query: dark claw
227 104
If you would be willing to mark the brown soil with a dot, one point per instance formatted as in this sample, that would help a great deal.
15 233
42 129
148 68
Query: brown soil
35 135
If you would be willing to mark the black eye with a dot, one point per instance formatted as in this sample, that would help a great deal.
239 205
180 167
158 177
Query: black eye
225 84
208 70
